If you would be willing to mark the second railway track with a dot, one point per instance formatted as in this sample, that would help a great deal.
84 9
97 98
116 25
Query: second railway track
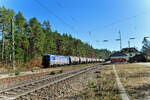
23 90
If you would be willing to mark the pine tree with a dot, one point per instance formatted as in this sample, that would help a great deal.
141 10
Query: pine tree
36 39
33 39
49 45
5 26
20 38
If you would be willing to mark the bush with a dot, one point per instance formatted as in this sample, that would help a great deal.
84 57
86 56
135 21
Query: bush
116 90
61 71
52 73
32 70
92 84
17 73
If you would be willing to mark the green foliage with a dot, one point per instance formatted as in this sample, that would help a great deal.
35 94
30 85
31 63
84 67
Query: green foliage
52 73
36 38
116 90
103 53
61 71
92 84
17 73
33 70
33 39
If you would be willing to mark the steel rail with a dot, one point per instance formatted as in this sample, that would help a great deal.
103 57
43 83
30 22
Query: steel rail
64 75
43 79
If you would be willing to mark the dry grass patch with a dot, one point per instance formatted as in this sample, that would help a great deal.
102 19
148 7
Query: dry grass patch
103 88
136 80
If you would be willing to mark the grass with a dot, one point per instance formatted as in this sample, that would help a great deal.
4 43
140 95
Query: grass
92 84
12 74
135 79
61 71
56 72
52 73
17 73
33 70
103 88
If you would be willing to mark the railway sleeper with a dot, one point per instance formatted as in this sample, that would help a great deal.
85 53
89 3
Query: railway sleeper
60 81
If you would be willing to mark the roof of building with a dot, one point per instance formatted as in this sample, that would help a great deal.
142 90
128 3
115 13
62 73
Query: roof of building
129 50
118 54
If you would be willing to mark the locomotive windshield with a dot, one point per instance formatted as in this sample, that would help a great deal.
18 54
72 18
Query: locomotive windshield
46 57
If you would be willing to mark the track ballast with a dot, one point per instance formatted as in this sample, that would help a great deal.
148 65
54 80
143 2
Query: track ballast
30 89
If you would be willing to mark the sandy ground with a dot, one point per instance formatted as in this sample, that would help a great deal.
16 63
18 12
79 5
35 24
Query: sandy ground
28 72
36 71
145 64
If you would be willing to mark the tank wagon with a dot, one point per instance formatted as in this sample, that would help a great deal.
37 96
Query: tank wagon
82 60
49 60
74 60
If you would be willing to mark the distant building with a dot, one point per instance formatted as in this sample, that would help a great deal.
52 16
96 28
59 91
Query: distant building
130 52
118 57
124 55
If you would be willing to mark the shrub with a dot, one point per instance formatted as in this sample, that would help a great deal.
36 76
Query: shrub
92 84
116 90
32 70
17 73
52 73
61 71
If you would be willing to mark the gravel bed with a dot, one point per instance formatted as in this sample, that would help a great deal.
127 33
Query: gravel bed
28 77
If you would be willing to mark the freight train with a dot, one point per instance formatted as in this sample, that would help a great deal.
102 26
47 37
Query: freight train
49 60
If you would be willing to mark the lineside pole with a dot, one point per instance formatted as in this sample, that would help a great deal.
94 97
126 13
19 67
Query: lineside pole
3 43
12 45
129 43
120 40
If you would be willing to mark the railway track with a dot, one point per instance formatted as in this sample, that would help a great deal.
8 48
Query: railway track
22 91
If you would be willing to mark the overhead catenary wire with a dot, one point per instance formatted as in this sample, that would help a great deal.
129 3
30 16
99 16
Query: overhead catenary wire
52 13
120 21
59 18
59 4
73 19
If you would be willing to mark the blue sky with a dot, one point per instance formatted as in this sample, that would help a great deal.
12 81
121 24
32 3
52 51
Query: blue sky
102 18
